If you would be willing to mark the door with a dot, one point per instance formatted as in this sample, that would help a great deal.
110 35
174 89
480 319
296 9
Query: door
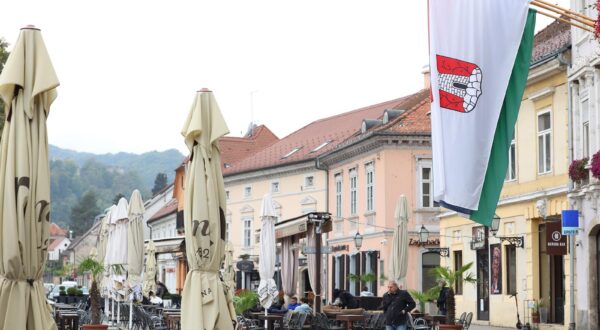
483 285
557 305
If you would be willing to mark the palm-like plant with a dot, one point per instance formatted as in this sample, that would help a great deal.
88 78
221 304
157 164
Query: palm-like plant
96 269
451 277
244 300
423 297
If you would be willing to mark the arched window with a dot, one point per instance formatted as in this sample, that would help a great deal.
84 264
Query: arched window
430 260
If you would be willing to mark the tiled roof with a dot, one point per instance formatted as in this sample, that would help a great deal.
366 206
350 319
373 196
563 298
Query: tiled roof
55 230
414 121
233 149
56 243
170 207
550 40
335 129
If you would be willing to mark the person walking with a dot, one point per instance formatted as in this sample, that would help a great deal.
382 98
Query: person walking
396 304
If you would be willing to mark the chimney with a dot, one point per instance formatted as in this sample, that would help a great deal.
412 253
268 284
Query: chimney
426 76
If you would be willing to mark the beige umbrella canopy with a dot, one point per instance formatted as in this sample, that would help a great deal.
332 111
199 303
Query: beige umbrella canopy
28 88
399 253
204 305
135 242
229 278
150 271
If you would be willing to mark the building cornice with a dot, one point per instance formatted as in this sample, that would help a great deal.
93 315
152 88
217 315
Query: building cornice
374 142
270 173
550 192
545 70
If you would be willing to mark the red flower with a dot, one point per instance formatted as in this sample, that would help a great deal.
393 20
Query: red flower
577 170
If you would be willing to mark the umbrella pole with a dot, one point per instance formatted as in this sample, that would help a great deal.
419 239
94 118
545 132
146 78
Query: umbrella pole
266 322
130 314
118 314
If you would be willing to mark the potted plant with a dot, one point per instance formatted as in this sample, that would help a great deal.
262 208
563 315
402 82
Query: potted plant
71 295
595 165
424 297
244 300
96 269
451 277
543 310
577 170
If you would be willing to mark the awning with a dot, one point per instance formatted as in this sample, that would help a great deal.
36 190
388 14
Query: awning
169 245
297 227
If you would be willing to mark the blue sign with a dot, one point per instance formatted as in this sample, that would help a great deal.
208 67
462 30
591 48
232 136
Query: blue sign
570 222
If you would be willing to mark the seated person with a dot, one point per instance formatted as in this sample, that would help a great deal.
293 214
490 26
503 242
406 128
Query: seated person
365 292
347 300
277 307
304 307
154 299
293 303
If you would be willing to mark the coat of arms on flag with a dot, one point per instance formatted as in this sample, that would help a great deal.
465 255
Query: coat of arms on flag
471 125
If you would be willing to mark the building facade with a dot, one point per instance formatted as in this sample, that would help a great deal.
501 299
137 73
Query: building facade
584 78
389 157
521 258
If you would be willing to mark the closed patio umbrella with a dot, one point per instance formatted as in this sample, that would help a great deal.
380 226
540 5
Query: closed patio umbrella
267 289
150 271
135 247
204 305
229 278
119 250
399 253
28 88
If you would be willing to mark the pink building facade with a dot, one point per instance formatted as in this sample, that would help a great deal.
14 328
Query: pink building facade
390 156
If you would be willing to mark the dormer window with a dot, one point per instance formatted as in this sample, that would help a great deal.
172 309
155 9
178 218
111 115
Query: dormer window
291 152
389 115
367 124
321 146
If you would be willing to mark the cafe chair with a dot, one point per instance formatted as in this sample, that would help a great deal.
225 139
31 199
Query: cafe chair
416 324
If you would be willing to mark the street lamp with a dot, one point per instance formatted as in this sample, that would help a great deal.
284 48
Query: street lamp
495 225
358 240
423 235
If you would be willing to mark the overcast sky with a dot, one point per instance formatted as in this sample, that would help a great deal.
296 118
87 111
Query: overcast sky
129 69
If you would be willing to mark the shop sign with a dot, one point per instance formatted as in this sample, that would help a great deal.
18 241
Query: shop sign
412 241
479 239
337 248
570 222
556 242
245 265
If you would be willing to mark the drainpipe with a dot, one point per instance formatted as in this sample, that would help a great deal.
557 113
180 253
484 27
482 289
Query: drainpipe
319 166
147 224
563 61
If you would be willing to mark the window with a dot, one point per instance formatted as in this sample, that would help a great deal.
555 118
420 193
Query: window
275 187
309 181
585 128
338 195
370 187
247 192
511 171
247 232
291 152
457 264
321 146
426 185
353 192
544 142
429 262
511 269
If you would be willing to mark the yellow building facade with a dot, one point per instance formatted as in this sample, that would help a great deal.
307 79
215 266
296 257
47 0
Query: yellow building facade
517 258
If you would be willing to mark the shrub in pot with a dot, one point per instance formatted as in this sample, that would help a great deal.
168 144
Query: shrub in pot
451 277
577 170
97 270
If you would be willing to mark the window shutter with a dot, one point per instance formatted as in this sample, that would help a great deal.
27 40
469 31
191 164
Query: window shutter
374 263
348 271
357 271
333 279
342 270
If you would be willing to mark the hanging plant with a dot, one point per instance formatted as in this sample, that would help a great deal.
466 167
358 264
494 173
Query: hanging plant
577 170
596 165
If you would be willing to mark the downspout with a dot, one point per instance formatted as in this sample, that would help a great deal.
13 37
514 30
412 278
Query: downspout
147 224
325 265
572 324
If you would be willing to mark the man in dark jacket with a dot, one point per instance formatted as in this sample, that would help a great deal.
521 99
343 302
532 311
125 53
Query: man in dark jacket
443 296
396 303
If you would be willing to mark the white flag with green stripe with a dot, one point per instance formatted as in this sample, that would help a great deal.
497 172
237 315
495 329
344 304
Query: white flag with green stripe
479 57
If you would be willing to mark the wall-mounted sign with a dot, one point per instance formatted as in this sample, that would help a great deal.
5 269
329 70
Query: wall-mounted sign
434 241
337 248
245 265
479 239
556 242
570 222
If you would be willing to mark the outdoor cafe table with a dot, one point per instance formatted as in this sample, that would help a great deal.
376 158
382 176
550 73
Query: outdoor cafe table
172 320
435 320
349 318
271 318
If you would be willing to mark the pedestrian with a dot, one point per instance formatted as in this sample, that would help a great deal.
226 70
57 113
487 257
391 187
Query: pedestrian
304 307
442 297
293 303
396 304
365 292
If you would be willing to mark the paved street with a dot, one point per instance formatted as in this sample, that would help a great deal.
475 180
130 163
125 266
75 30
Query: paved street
486 327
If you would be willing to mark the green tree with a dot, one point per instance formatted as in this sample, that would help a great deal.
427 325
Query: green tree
160 182
117 198
451 277
3 57
83 214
